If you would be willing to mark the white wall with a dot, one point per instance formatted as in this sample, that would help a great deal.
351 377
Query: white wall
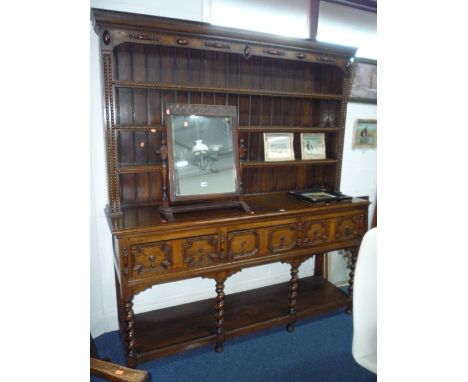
357 180
347 26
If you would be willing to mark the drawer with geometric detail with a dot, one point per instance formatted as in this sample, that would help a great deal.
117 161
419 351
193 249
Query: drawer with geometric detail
150 258
350 228
316 232
282 238
242 244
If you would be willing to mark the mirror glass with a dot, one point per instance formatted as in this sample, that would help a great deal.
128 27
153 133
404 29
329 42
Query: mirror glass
203 161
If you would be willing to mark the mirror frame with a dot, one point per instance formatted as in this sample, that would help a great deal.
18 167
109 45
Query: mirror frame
174 109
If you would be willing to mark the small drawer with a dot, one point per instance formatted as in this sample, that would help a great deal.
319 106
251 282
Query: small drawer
242 244
349 228
149 258
200 250
316 233
282 238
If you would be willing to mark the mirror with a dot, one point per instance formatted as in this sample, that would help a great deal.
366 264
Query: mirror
202 144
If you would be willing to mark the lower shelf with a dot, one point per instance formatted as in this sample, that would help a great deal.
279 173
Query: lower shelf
175 329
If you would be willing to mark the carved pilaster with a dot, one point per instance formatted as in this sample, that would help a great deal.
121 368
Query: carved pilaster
165 199
341 124
111 137
129 333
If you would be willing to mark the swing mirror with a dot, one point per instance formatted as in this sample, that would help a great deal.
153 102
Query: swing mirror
202 152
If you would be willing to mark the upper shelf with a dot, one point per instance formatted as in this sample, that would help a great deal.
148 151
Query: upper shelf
252 129
212 89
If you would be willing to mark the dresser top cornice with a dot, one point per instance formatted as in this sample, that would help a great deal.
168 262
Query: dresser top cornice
102 19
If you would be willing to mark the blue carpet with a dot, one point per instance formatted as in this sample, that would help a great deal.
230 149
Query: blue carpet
318 350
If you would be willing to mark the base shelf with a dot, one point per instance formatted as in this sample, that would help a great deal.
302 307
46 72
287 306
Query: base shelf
184 327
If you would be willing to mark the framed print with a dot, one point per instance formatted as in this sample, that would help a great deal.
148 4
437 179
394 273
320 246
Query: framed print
313 146
364 83
319 195
365 134
278 146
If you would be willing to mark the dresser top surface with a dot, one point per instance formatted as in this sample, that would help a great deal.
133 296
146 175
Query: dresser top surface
267 206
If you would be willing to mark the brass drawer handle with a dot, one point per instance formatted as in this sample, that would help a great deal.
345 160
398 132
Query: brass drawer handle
152 258
243 244
282 239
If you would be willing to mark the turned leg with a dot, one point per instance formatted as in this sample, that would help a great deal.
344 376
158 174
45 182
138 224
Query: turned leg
293 296
219 315
318 267
352 267
129 325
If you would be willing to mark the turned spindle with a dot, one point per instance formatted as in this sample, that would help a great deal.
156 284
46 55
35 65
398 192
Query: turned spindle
293 297
129 334
219 316
352 267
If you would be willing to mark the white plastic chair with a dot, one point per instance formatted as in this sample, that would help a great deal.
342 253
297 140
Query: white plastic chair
365 303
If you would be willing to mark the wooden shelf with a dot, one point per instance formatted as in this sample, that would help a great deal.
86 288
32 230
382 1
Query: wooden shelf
289 129
209 89
252 163
137 169
297 129
171 330
151 128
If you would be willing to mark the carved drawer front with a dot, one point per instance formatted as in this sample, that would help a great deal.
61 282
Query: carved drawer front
350 228
316 233
242 244
151 258
200 250
282 238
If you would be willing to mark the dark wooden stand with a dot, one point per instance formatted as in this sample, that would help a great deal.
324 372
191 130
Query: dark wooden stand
276 85
216 246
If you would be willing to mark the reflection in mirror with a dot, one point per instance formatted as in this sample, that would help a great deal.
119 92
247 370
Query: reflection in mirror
203 158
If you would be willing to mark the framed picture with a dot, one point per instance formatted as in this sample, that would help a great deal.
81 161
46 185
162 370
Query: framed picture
365 134
278 146
313 146
319 196
364 83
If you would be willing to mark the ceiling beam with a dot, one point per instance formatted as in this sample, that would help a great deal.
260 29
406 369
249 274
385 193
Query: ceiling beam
363 5
313 18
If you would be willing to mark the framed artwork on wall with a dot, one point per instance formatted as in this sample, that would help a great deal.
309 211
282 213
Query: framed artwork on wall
313 146
365 134
364 81
278 146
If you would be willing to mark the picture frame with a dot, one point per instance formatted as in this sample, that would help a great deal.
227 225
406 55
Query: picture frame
365 134
278 146
364 81
320 195
313 146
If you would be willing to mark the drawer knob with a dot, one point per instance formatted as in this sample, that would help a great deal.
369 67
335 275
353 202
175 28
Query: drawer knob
152 258
243 244
282 239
